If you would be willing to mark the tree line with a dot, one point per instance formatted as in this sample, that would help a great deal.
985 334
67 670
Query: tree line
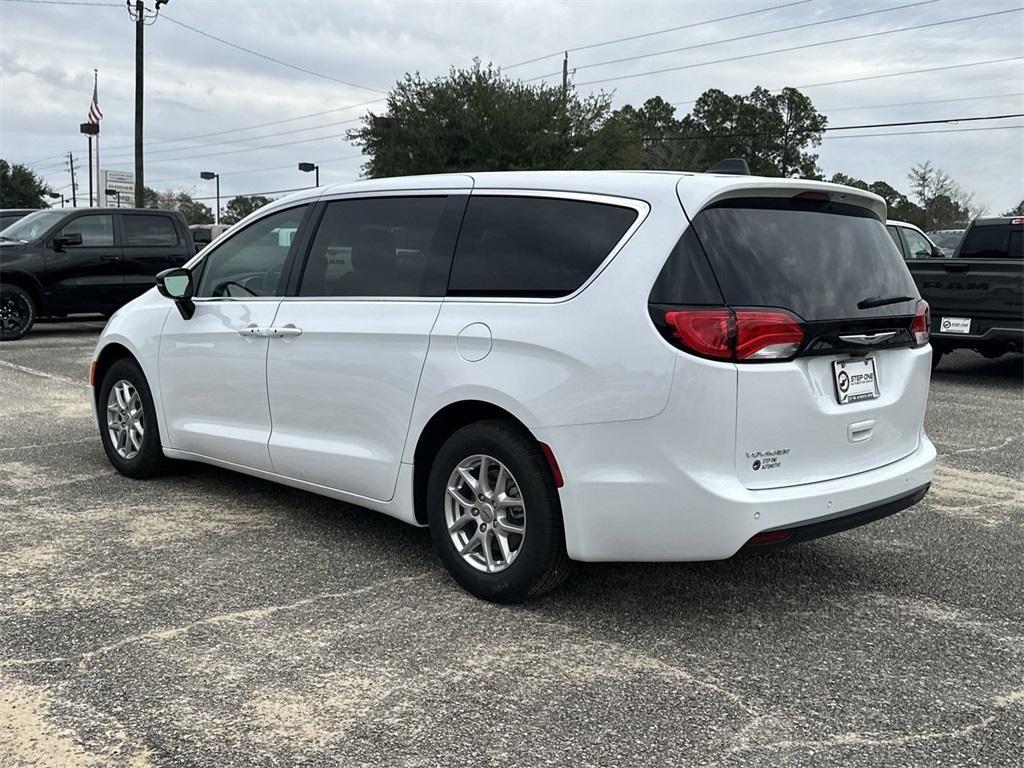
477 119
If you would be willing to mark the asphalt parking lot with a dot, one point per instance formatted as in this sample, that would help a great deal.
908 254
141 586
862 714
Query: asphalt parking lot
210 619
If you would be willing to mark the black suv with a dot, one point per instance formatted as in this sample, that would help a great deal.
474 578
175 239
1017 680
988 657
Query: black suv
84 261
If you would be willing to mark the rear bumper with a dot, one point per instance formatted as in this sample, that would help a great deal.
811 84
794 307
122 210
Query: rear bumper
629 498
991 336
843 521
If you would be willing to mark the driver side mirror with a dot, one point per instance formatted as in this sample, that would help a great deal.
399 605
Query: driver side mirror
63 241
937 252
176 284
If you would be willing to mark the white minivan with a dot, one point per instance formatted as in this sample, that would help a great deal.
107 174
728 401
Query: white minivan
544 366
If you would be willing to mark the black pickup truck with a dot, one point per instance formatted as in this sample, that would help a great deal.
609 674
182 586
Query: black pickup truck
977 296
66 261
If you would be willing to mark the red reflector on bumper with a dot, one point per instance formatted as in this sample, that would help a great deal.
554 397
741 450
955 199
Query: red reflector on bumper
555 471
769 537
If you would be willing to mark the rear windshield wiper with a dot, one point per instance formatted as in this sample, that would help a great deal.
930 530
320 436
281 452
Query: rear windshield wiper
880 301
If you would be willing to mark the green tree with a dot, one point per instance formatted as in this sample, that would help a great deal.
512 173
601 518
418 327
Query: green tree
1017 211
21 188
477 119
240 207
946 204
773 132
194 211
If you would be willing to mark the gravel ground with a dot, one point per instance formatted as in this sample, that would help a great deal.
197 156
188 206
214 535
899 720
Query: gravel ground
210 619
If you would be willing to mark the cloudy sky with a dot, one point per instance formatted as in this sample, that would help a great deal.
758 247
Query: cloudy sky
266 117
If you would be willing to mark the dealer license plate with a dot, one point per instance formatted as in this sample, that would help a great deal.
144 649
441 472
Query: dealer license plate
855 380
955 325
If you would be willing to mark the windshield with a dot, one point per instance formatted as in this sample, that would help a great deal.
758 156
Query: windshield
818 260
33 225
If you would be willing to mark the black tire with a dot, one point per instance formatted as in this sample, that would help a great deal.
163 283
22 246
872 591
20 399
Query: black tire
936 357
541 563
150 460
17 312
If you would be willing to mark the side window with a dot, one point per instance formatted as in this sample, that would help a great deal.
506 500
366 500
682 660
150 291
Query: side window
895 235
383 246
917 246
146 229
97 230
533 246
252 262
686 277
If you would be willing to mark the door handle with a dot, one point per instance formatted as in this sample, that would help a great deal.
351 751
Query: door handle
255 330
957 267
110 257
282 331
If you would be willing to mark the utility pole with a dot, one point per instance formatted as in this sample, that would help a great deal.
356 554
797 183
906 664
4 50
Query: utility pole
74 186
565 75
142 19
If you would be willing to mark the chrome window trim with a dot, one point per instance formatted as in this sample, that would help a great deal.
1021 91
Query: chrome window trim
642 208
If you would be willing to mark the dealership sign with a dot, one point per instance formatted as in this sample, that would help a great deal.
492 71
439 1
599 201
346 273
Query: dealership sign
121 182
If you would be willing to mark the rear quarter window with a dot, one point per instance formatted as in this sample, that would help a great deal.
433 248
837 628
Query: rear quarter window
533 246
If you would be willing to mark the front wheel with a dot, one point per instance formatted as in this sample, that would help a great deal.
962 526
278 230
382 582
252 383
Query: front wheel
494 513
17 312
127 421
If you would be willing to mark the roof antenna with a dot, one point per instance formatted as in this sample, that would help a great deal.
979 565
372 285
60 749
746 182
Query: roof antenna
736 166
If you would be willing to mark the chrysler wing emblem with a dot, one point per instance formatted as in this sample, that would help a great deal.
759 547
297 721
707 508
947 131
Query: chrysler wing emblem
868 338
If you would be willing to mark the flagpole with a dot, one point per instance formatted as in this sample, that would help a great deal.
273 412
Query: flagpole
99 191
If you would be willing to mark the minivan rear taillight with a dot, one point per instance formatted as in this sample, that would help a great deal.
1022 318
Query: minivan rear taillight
740 335
922 323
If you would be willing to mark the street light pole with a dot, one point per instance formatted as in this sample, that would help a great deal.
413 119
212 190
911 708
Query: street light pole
207 175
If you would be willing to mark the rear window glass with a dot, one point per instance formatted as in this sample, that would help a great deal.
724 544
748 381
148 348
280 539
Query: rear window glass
145 229
992 241
533 246
815 259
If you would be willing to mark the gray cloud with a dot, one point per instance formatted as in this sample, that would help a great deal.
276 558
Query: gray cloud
196 85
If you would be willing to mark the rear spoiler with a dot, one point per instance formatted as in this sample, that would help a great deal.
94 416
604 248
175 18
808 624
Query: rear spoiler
698 190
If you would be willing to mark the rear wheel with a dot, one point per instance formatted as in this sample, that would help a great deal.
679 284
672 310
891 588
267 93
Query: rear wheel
494 513
17 312
127 421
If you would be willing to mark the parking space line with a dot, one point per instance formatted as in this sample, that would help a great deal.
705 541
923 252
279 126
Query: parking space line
42 374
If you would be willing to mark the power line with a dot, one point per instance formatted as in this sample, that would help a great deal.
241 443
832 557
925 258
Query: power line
257 125
836 128
920 133
740 37
886 75
258 170
253 194
242 141
805 46
271 58
658 32
65 2
920 103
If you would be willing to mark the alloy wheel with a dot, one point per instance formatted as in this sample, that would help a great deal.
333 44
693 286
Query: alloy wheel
13 314
125 419
485 513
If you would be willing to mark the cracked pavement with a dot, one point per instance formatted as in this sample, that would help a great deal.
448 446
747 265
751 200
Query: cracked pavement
207 618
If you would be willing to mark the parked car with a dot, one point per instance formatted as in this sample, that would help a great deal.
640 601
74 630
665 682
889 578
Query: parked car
544 367
58 262
912 242
947 240
204 234
10 215
977 297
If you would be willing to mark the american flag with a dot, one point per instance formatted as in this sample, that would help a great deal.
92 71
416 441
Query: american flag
94 109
